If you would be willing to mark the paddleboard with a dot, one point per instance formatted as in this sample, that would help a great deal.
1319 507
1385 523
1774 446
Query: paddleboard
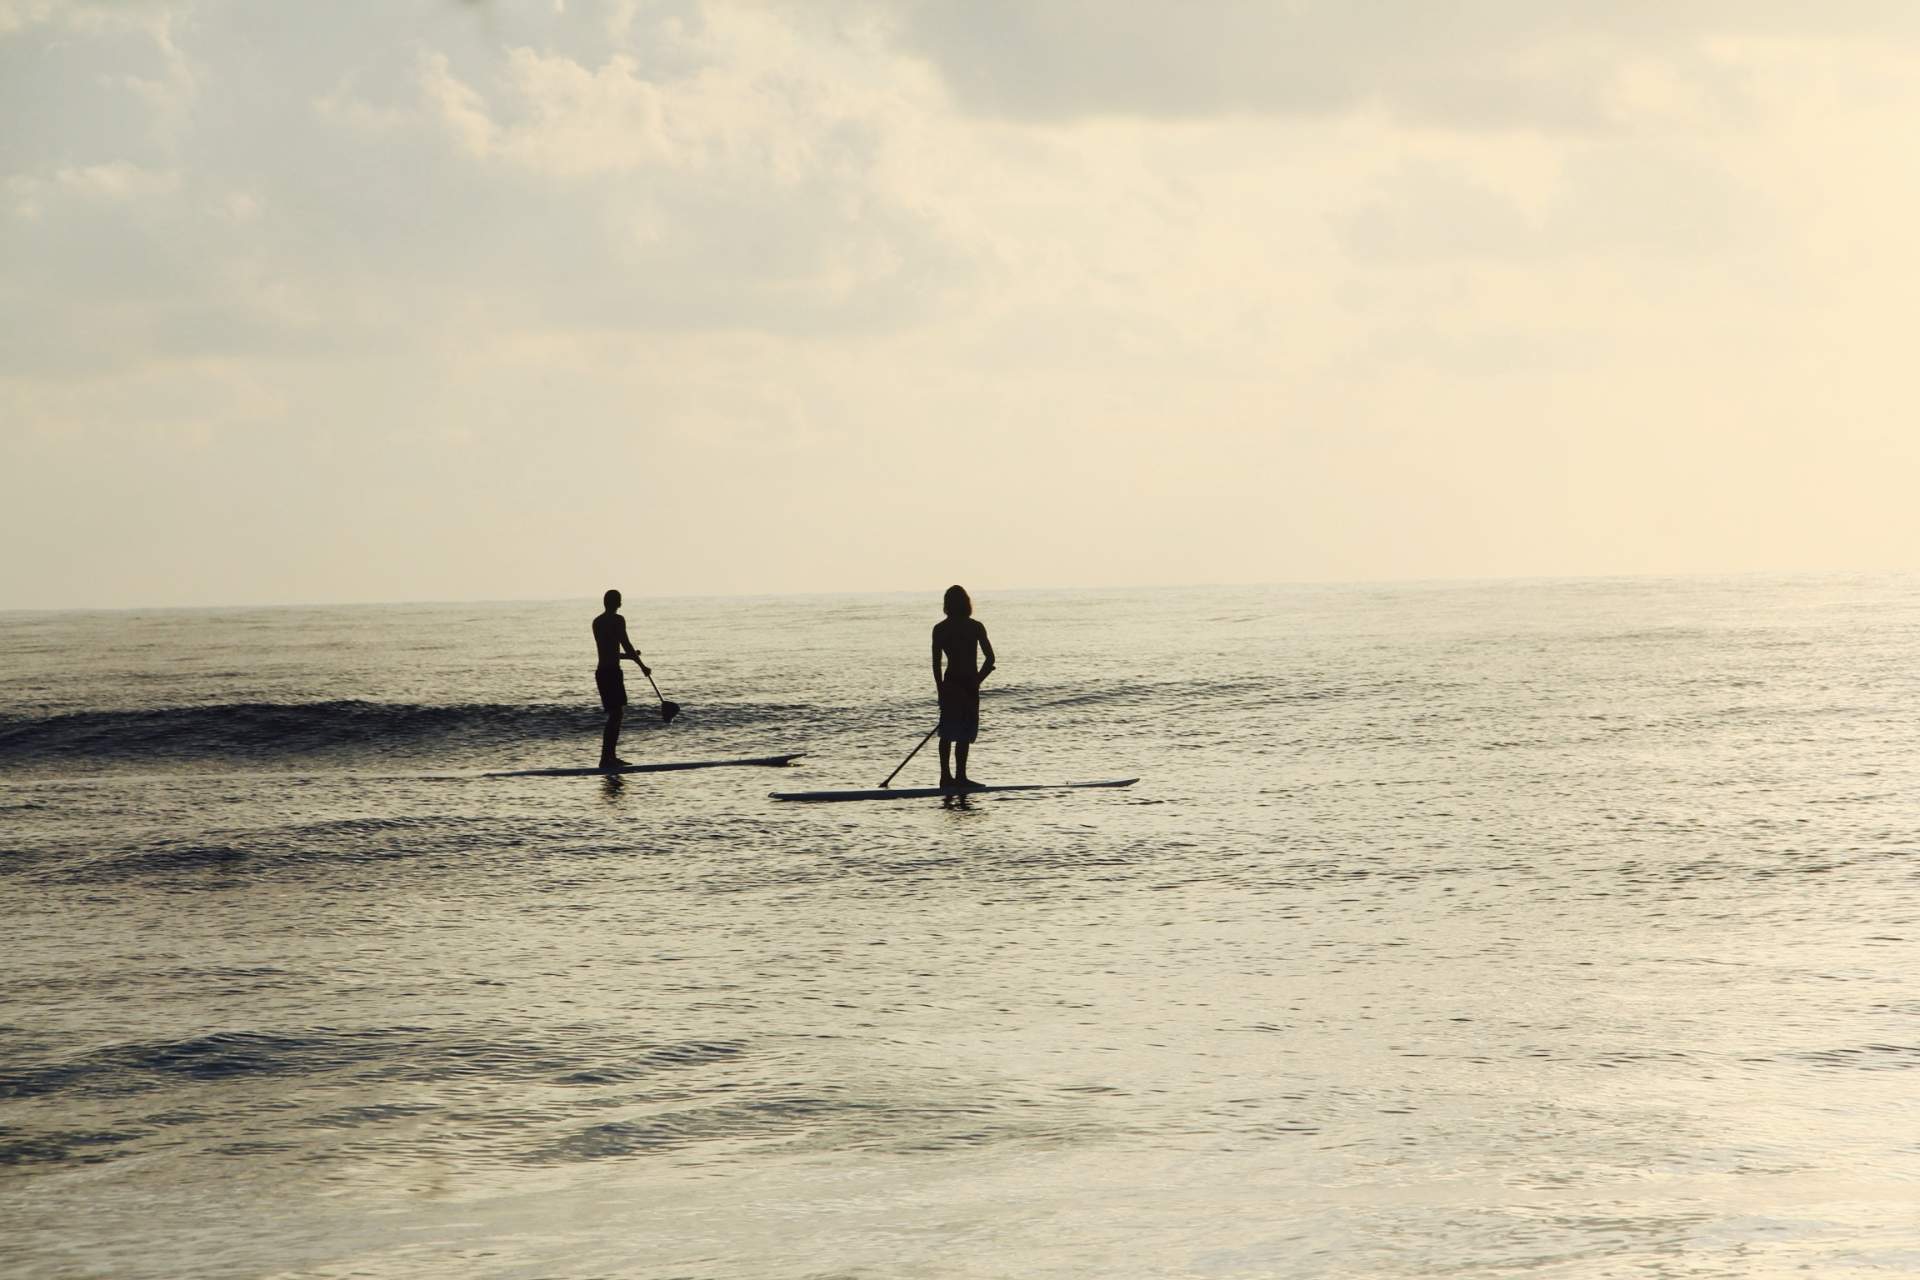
771 762
925 793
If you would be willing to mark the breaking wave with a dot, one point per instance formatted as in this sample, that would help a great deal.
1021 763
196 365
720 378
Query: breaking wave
338 731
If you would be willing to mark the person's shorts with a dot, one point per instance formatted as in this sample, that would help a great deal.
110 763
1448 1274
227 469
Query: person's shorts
959 713
613 687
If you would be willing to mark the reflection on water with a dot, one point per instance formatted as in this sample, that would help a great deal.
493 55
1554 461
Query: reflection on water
1560 928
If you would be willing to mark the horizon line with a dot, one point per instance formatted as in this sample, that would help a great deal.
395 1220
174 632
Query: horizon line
629 597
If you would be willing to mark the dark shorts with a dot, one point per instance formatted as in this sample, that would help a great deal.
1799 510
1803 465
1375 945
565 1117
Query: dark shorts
959 713
613 687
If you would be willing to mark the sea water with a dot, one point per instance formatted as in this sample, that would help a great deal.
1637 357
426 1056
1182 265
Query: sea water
1559 928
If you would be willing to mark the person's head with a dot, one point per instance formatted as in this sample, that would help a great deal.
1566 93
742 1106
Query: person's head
611 599
957 604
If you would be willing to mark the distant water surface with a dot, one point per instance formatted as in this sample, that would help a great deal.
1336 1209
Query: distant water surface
1558 928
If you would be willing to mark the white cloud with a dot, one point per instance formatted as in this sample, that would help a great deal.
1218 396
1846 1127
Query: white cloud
118 180
456 106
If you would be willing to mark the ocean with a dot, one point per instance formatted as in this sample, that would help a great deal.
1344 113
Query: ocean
1559 928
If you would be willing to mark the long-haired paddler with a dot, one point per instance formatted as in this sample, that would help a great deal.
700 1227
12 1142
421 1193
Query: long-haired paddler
959 638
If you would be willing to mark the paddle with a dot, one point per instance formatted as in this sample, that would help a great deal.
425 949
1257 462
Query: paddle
929 738
668 710
911 754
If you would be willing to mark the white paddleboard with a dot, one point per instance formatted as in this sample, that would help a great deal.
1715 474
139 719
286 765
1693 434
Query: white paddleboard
925 793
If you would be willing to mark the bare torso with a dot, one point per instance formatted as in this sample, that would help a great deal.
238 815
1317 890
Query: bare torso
610 639
958 641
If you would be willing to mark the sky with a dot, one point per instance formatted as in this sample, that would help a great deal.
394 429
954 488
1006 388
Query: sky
491 299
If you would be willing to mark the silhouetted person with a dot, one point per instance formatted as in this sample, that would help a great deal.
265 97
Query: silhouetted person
957 638
610 638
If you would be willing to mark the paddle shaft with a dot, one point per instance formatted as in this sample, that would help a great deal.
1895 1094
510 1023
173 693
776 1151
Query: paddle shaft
982 679
668 710
911 754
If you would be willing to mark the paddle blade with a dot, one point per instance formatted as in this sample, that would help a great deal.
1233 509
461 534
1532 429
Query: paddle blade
668 710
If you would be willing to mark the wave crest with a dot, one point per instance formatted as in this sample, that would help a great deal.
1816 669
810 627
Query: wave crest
252 730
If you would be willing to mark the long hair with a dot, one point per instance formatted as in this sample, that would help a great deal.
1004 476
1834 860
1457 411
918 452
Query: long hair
957 604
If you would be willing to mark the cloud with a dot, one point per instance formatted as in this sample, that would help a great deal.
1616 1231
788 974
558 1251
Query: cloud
82 85
1669 203
1233 284
354 174
1475 65
117 181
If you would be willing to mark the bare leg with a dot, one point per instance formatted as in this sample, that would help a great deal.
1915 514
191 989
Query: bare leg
960 762
946 773
610 737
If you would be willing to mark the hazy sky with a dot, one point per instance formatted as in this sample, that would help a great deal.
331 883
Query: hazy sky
380 299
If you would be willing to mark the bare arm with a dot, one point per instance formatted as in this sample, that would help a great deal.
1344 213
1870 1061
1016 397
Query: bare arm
986 650
632 652
936 659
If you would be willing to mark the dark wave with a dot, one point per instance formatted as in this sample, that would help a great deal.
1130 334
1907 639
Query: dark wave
269 732
248 730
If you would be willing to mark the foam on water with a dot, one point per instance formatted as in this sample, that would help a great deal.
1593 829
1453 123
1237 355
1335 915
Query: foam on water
1476 929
